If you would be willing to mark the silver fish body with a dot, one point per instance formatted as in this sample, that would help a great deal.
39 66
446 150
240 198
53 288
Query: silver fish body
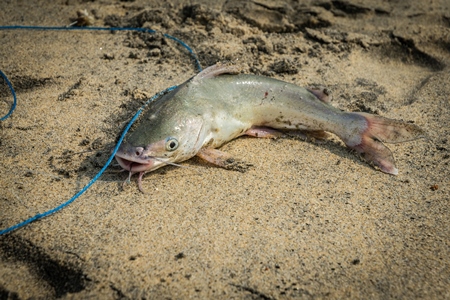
213 108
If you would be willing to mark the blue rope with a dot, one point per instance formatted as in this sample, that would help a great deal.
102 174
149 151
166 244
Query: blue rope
197 62
25 27
13 106
85 188
147 30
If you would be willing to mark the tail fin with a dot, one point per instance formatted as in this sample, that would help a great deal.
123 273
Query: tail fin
379 130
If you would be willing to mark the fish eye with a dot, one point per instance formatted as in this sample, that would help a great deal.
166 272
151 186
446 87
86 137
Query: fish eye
171 144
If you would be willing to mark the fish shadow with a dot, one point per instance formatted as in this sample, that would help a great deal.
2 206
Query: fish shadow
332 144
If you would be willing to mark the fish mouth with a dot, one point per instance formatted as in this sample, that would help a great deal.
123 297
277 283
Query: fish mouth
135 160
135 165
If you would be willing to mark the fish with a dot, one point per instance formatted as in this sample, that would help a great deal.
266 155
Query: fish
220 104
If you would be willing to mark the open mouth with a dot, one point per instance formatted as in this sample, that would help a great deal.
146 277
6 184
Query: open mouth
134 165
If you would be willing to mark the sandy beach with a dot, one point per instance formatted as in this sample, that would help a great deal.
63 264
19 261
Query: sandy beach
307 220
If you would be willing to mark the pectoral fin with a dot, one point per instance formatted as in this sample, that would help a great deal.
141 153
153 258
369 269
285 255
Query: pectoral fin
222 159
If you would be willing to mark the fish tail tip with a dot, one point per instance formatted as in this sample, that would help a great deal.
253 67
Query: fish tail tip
392 170
383 160
377 153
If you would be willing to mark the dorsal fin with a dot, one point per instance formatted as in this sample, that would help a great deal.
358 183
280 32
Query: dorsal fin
216 70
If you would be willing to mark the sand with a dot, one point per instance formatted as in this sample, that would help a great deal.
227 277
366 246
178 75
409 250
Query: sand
306 221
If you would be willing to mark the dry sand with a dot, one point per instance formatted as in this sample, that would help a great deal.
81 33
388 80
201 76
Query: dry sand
306 221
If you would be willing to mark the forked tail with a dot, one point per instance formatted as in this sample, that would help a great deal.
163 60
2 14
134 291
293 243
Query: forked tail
379 130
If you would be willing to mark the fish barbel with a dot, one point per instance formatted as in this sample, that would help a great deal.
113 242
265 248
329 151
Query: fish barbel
218 105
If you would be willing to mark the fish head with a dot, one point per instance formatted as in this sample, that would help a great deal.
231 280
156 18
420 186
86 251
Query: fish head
159 140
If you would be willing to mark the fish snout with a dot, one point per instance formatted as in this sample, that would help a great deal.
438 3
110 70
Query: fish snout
134 159
126 150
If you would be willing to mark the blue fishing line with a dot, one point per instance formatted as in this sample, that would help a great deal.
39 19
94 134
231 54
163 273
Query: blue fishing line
25 27
189 49
85 188
13 106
